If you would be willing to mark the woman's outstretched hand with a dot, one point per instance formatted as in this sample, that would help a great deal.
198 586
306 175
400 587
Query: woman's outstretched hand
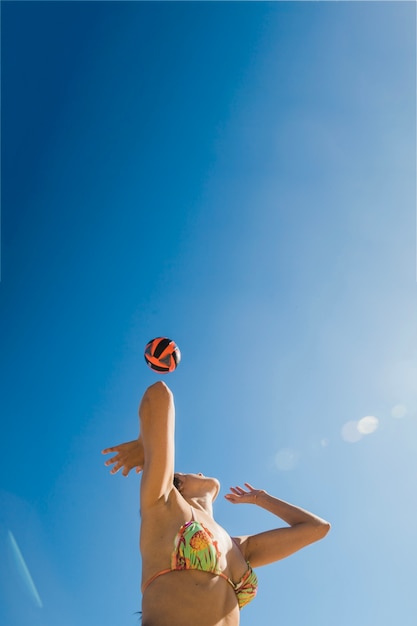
242 496
129 455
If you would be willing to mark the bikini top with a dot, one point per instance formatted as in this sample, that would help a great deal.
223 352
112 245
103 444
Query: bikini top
196 549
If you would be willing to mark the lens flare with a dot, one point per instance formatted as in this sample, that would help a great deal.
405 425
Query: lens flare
398 411
368 424
23 570
286 459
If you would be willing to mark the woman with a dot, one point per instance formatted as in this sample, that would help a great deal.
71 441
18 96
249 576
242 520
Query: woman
193 572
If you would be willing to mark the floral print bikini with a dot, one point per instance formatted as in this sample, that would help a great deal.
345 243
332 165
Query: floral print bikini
195 549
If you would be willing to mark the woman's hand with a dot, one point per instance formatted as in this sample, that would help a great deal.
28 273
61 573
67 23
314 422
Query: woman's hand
129 455
241 496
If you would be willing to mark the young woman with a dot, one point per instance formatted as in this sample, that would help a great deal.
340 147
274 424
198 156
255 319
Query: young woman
193 572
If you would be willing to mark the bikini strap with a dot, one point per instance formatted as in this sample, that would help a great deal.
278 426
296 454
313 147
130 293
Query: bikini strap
152 578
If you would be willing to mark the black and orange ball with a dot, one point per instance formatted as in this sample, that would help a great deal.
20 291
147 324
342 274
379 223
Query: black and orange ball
162 355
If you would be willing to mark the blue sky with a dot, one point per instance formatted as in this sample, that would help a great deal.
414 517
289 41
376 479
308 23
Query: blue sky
239 177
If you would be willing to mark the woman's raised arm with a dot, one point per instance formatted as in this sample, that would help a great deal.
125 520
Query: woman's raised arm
157 424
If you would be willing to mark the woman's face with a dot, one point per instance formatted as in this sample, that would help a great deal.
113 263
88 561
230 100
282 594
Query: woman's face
196 485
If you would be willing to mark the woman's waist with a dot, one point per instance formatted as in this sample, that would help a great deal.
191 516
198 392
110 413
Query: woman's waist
190 597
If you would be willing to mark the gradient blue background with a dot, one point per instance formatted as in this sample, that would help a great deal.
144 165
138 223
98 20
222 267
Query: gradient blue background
239 177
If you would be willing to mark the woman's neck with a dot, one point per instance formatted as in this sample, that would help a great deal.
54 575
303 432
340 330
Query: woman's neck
202 503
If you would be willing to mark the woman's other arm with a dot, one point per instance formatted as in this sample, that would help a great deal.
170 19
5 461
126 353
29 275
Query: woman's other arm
270 546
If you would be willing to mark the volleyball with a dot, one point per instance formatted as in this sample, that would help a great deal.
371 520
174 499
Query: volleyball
162 355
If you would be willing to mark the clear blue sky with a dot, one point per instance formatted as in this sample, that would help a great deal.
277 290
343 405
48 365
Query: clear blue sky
239 177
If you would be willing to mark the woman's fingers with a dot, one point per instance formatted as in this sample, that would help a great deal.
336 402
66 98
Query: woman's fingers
125 458
248 486
117 448
115 469
238 495
112 460
126 467
238 490
108 450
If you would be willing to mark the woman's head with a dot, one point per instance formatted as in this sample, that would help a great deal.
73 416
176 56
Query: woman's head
195 486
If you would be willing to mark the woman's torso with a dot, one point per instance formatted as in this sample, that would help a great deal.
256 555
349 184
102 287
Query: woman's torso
186 597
